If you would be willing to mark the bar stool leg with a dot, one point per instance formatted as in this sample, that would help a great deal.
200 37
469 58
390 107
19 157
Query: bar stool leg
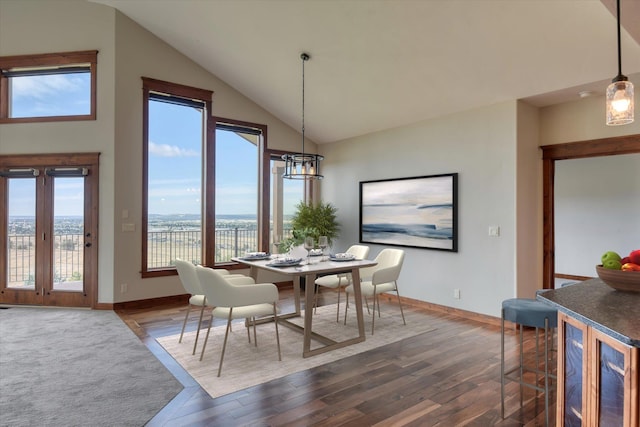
546 371
537 363
502 366
523 313
521 364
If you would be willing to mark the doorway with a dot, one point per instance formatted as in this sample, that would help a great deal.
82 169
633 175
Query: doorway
48 226
573 150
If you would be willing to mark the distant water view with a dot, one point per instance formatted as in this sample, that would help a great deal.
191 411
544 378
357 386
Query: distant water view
189 222
25 225
179 236
169 237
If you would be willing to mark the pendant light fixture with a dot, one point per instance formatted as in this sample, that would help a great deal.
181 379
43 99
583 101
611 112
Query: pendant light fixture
302 165
619 92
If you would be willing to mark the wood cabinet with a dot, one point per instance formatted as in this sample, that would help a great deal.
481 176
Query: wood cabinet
597 377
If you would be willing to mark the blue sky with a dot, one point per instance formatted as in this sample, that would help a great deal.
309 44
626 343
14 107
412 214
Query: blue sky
175 139
54 95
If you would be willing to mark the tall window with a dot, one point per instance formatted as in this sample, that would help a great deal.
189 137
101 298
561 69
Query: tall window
285 196
237 189
48 87
175 118
210 186
204 183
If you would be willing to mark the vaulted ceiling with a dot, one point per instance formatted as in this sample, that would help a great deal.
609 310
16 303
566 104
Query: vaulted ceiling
379 64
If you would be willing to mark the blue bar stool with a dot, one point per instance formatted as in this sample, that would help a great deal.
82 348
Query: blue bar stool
539 315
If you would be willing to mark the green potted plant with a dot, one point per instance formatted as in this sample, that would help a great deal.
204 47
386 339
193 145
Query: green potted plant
312 220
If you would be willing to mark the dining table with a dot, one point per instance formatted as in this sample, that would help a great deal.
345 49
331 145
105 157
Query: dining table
310 270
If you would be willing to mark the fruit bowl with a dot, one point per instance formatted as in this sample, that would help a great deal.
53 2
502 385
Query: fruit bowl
620 280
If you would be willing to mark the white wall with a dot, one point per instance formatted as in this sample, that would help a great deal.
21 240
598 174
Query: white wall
161 62
597 209
583 120
126 52
31 27
492 148
495 150
529 219
481 146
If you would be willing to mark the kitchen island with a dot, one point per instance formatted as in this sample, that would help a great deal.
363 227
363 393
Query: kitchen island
598 349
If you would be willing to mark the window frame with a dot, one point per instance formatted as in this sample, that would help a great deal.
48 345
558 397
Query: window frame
62 60
264 187
208 181
188 93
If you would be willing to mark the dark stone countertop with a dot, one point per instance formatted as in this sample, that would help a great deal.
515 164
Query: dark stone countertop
594 303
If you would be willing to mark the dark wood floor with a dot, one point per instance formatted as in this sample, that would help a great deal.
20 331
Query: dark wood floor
447 377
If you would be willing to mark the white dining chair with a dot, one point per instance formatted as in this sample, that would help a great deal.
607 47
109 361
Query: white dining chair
382 277
339 281
191 284
232 301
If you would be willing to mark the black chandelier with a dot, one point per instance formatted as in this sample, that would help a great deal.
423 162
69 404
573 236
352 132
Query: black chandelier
619 92
302 165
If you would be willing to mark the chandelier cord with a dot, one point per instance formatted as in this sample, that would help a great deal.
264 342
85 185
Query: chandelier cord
309 163
304 57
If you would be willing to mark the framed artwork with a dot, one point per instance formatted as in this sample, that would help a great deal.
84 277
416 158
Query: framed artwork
417 212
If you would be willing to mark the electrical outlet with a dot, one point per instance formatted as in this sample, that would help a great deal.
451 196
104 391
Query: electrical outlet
124 288
456 293
494 231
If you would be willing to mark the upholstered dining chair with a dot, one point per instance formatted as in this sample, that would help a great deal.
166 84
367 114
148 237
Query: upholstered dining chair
382 277
232 301
334 281
191 284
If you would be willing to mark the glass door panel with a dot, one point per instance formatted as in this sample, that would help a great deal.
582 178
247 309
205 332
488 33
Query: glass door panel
68 234
611 388
21 234
48 229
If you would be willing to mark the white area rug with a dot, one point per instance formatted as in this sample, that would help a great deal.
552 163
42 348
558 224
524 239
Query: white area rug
246 365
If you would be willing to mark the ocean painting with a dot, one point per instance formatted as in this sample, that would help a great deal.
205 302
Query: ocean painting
415 212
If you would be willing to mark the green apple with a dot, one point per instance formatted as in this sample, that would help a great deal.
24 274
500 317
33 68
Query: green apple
612 264
610 255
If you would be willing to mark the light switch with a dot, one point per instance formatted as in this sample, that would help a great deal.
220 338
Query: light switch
125 213
494 231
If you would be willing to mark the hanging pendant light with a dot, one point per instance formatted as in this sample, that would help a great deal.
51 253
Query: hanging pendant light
302 165
619 92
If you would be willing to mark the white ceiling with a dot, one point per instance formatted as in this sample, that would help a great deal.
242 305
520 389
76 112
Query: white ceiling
379 64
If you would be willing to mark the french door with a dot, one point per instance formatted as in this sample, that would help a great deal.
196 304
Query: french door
48 228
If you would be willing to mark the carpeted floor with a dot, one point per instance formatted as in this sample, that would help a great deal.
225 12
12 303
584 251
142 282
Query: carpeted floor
246 365
72 367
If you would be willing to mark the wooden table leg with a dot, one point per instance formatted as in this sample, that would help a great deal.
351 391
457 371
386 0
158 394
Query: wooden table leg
296 293
308 319
357 294
309 284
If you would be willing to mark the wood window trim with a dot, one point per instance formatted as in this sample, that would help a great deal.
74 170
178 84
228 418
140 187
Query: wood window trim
188 92
264 191
91 205
43 60
208 230
627 144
